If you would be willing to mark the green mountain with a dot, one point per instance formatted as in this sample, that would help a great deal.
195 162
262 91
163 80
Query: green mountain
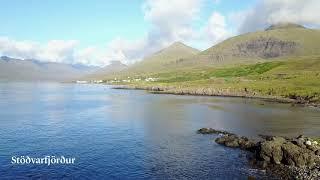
282 61
162 60
277 41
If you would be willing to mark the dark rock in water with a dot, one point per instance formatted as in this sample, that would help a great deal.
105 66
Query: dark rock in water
266 137
270 137
297 158
232 143
270 151
155 89
247 144
228 140
281 151
212 131
206 131
221 140
236 142
294 155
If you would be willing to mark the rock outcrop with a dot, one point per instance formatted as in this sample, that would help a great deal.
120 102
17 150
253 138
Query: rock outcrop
265 48
236 142
212 131
294 154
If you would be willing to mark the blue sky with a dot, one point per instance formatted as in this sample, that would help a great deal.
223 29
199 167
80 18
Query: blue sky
93 22
99 31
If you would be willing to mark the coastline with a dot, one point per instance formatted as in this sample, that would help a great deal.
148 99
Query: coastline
286 157
216 93
257 148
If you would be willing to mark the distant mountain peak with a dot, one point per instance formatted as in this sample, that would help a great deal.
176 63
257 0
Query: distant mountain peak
177 44
36 70
284 25
6 58
113 67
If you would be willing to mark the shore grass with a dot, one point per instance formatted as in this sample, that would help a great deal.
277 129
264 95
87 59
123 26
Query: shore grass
316 139
297 79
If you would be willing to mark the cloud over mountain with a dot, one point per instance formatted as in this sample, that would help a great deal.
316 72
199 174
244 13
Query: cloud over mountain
169 21
52 51
268 12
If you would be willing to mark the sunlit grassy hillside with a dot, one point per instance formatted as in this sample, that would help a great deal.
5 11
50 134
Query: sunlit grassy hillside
295 78
281 61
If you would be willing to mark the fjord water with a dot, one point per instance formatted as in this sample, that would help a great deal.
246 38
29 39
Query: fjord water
127 134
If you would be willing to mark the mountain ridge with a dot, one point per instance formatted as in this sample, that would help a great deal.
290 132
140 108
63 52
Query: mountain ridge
161 59
284 25
280 42
14 69
113 67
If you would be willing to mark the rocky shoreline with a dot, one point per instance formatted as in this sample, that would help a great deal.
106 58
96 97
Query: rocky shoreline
219 93
287 158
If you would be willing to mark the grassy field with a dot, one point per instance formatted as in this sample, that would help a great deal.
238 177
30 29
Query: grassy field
297 78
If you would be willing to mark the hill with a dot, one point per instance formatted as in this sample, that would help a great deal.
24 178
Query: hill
277 41
283 61
12 69
161 60
112 68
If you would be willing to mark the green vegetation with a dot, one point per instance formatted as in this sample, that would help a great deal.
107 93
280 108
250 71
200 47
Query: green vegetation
282 62
228 51
255 69
162 59
238 71
297 78
317 139
306 38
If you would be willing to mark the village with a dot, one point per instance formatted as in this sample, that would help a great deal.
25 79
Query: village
116 80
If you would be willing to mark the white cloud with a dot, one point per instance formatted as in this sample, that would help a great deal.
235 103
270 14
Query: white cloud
266 12
54 51
69 52
172 20
25 49
57 51
117 50
217 29
90 56
169 20
126 51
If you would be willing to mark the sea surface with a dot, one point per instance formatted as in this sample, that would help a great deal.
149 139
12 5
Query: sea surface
131 134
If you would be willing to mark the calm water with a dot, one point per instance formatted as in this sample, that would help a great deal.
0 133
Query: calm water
125 134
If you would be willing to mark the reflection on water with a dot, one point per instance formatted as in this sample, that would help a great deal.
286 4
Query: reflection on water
132 134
